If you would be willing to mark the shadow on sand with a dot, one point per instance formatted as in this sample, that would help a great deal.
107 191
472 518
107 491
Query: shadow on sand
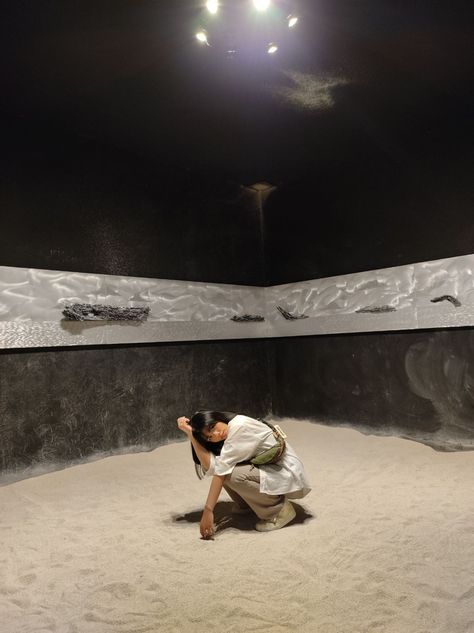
224 519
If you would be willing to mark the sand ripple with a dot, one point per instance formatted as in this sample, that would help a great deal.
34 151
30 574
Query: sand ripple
383 544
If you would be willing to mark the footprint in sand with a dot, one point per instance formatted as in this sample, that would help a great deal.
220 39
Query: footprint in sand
119 590
467 595
27 579
22 603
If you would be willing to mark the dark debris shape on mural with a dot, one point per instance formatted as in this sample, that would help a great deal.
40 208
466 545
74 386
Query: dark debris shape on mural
245 318
290 317
376 309
90 312
456 303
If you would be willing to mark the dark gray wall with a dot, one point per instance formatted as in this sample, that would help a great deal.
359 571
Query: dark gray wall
60 406
418 384
394 188
80 207
370 211
68 204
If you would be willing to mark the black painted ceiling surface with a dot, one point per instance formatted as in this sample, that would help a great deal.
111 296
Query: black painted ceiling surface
353 81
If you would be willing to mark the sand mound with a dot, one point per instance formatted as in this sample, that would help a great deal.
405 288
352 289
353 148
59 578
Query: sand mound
383 544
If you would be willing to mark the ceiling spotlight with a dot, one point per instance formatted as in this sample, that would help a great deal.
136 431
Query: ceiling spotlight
212 6
261 5
292 20
201 37
272 48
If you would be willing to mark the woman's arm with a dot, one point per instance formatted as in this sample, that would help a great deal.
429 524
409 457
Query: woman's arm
206 527
214 492
207 520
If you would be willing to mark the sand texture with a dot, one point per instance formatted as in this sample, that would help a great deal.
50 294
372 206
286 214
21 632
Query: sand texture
383 544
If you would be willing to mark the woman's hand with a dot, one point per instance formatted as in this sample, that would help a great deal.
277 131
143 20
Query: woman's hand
206 527
183 425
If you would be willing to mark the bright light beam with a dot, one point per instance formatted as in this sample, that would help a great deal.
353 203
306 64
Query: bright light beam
261 5
272 48
292 20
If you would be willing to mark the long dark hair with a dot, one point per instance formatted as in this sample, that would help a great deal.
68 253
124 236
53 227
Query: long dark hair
203 419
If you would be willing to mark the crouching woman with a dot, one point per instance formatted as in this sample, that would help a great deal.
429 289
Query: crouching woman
224 447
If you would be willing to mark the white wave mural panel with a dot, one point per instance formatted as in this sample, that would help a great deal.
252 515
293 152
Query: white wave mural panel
31 304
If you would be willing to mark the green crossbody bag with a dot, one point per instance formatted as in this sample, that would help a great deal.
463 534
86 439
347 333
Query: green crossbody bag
273 454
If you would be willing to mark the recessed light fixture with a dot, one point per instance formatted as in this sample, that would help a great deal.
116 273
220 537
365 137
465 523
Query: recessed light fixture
212 6
292 20
201 37
226 33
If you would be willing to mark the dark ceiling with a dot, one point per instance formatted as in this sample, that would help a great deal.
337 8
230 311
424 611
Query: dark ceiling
355 80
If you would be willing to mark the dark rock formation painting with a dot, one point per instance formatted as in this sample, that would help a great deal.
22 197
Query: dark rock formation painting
89 312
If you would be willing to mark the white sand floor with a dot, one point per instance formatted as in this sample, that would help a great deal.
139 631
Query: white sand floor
383 544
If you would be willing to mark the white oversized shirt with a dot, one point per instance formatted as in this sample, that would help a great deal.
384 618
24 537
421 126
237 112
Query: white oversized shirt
247 438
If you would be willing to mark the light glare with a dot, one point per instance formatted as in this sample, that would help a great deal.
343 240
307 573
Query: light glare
212 6
261 5
272 48
201 37
292 20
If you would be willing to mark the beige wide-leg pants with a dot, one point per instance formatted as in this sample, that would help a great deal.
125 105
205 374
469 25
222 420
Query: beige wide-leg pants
243 486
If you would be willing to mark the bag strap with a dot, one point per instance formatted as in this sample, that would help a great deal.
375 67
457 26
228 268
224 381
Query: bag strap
277 430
